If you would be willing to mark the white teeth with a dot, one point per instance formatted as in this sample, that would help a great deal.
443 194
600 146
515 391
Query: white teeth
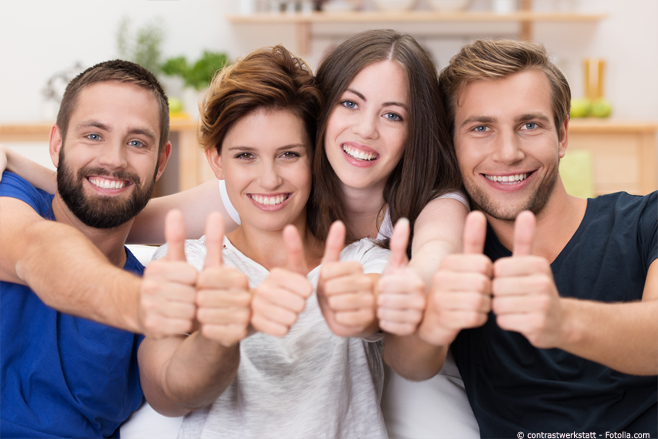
107 184
269 201
358 154
509 179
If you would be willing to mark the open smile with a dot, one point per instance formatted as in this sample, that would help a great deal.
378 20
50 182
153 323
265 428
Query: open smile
508 179
360 154
107 183
269 199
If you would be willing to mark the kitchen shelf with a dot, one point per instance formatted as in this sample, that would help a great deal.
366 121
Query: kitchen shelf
303 22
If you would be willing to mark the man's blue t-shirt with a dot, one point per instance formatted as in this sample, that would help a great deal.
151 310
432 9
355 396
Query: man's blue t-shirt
516 389
62 376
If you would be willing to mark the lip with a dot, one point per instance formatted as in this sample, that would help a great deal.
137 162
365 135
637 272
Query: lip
270 207
108 181
362 148
507 186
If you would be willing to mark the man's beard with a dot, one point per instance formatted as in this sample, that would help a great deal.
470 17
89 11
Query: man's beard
500 211
100 212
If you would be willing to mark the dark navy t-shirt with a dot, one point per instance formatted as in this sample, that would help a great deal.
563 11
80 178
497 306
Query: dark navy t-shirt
515 388
62 376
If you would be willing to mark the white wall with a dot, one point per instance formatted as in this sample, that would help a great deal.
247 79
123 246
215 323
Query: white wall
39 38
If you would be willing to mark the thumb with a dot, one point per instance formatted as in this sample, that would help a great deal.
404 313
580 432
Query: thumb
335 243
214 240
475 233
524 233
398 245
294 250
175 236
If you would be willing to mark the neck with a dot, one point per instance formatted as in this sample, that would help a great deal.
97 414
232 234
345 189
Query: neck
363 207
267 248
556 224
109 241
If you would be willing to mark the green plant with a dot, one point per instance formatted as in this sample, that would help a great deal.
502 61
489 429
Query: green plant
200 73
143 47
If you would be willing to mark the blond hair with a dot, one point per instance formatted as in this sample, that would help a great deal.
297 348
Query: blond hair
489 59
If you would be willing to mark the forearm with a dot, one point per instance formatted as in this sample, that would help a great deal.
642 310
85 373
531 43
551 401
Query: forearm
427 258
70 274
412 358
622 336
199 372
196 204
39 176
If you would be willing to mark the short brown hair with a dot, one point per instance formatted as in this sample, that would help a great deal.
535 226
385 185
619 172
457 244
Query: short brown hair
269 78
119 71
428 166
489 59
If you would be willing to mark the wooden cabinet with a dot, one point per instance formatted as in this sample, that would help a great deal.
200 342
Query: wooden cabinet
624 156
304 22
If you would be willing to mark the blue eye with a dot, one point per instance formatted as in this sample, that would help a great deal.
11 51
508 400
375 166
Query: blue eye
480 129
393 117
136 143
348 104
530 126
93 137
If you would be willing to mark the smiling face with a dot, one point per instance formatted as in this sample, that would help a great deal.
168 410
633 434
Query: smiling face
507 145
109 161
266 164
366 131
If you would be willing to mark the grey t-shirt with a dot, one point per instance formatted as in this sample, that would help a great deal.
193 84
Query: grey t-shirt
310 383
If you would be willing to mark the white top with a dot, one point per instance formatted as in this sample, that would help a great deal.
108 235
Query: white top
310 383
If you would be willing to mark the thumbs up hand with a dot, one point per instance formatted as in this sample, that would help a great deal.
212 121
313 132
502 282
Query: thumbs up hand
401 299
168 287
282 296
346 295
526 299
459 296
222 298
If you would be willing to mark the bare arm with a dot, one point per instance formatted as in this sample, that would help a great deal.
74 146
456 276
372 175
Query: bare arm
196 204
39 176
65 269
182 374
437 233
622 336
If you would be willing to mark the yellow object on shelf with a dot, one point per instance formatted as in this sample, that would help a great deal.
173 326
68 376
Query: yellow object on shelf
577 174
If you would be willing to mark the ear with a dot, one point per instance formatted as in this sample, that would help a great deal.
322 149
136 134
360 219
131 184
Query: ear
162 160
215 162
564 138
55 143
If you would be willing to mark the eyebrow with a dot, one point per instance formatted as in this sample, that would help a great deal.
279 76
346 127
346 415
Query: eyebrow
252 149
480 119
385 104
531 116
95 124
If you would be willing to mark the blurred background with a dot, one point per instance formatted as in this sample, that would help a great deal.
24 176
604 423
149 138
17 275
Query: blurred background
612 137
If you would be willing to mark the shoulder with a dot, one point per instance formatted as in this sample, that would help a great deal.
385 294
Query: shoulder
454 195
132 263
371 256
13 186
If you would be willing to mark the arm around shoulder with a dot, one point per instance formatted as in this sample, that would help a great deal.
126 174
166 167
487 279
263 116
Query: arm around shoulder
64 268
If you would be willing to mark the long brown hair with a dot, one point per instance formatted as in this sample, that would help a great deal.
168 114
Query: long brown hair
428 166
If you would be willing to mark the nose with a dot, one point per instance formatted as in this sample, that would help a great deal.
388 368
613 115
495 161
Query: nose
113 155
269 177
507 148
365 125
